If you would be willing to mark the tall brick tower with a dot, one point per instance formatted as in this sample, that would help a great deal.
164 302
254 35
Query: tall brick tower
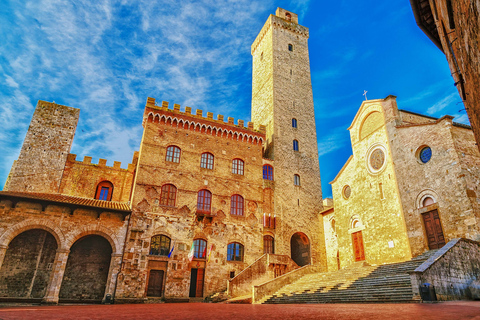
41 162
282 100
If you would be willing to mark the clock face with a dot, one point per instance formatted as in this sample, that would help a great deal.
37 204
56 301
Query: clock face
377 159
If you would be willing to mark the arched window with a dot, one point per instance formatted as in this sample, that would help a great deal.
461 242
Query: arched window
173 154
169 194
236 206
204 201
267 172
104 191
296 180
295 145
237 166
235 252
268 244
199 248
206 161
288 16
294 123
160 245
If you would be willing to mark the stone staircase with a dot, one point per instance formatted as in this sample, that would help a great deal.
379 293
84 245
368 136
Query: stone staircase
385 283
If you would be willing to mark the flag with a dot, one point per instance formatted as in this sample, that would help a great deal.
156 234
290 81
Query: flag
171 251
210 252
190 254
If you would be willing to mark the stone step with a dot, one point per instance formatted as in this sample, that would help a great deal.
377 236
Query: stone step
384 283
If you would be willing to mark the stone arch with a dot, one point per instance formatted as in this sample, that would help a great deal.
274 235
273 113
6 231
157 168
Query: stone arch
150 117
26 225
163 119
181 123
96 230
27 266
175 122
87 269
300 248
198 127
355 222
427 193
372 122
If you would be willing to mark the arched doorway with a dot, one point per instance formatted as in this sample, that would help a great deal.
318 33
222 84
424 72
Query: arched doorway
87 269
300 249
28 264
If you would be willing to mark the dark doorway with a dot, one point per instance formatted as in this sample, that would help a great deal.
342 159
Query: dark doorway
196 283
358 249
433 228
155 283
28 264
300 249
87 269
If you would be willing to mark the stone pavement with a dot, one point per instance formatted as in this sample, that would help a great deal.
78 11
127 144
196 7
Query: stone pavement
447 310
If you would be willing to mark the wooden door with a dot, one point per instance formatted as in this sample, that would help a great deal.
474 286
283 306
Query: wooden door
196 283
433 228
200 276
155 283
358 249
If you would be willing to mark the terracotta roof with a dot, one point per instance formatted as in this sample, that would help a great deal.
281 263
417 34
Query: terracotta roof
60 198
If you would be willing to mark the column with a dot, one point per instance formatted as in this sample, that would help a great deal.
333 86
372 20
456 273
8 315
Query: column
56 276
115 264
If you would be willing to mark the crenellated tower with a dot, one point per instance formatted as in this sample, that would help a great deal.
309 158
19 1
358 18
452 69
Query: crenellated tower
282 100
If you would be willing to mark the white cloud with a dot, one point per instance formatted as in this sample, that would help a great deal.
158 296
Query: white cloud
338 139
443 103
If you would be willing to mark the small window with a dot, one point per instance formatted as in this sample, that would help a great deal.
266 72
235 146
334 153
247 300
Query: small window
295 145
236 207
268 244
267 172
451 22
104 191
261 56
425 154
288 16
296 180
168 195
199 248
290 47
206 161
160 245
237 166
204 201
235 252
294 123
173 154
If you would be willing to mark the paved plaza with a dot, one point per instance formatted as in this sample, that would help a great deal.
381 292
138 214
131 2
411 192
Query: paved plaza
447 310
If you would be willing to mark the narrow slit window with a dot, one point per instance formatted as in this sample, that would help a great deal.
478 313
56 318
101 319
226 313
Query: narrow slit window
295 145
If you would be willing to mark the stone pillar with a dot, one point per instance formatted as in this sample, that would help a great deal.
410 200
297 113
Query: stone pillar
56 276
3 251
115 265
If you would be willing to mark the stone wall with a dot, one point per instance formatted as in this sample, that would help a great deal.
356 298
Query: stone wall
194 135
62 226
459 34
80 178
281 91
331 244
265 268
452 170
44 151
451 270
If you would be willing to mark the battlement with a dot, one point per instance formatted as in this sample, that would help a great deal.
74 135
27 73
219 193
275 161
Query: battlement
156 113
284 19
102 162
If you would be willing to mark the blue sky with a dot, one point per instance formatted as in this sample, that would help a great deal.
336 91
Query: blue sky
106 57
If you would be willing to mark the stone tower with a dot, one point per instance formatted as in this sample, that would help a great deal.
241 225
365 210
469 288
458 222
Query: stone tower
282 100
41 162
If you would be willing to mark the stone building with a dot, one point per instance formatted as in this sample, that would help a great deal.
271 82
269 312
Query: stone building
202 200
454 27
411 185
